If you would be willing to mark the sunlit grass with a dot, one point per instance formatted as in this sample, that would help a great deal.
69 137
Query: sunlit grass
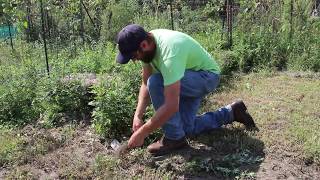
286 108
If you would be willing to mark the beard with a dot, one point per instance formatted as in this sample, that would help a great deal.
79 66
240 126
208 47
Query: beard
148 56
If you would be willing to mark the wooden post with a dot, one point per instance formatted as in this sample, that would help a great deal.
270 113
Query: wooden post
44 36
229 22
74 42
223 20
109 24
171 15
291 20
81 14
29 21
109 20
223 16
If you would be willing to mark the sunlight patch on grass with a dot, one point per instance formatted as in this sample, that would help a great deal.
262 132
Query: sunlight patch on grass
286 108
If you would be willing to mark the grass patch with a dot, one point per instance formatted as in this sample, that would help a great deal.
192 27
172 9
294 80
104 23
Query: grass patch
9 146
285 106
305 126
21 146
108 166
227 166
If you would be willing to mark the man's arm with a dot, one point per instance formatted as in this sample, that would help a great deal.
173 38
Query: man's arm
162 115
144 99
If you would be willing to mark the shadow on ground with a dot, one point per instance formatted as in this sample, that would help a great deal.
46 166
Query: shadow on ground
224 153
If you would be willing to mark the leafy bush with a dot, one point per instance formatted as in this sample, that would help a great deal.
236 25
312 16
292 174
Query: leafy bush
153 22
115 101
89 59
17 92
260 51
122 14
305 47
62 100
230 62
16 105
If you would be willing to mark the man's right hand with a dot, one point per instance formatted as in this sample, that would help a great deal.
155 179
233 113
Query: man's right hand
136 124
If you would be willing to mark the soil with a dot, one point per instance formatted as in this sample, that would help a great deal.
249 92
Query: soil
75 158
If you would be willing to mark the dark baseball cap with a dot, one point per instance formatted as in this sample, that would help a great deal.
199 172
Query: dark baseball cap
129 39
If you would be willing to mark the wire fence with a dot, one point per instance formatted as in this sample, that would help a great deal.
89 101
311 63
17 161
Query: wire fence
7 33
57 24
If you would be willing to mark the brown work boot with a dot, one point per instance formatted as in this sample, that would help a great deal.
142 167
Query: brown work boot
241 115
165 146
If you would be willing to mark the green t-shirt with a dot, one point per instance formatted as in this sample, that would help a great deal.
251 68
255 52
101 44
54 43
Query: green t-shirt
177 52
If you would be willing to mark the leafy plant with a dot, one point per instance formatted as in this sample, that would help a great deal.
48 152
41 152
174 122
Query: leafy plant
17 93
62 100
9 146
115 101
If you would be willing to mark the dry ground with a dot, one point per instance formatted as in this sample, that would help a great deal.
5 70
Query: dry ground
284 105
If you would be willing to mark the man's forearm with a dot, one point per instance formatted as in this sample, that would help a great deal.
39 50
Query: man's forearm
167 110
143 101
161 116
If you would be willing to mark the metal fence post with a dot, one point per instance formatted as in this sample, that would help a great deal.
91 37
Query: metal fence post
44 37
9 26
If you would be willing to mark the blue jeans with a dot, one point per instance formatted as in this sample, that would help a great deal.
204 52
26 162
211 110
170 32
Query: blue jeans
194 86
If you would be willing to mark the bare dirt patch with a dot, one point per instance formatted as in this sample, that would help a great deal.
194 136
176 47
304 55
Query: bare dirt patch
65 152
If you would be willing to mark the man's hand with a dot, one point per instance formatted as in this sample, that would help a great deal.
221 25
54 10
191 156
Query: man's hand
137 139
136 124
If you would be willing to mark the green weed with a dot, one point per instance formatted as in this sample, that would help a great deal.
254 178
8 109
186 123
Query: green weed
115 102
9 146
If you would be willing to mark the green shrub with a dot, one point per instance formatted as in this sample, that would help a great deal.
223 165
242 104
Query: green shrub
115 101
261 50
17 92
305 47
96 59
62 100
229 61
307 61
16 106
123 13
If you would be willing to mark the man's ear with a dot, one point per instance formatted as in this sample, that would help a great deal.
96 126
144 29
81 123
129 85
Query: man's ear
144 44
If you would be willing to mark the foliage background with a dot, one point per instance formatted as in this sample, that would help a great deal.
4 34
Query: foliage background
267 35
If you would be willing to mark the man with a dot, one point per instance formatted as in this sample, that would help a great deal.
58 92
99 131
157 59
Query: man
177 73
